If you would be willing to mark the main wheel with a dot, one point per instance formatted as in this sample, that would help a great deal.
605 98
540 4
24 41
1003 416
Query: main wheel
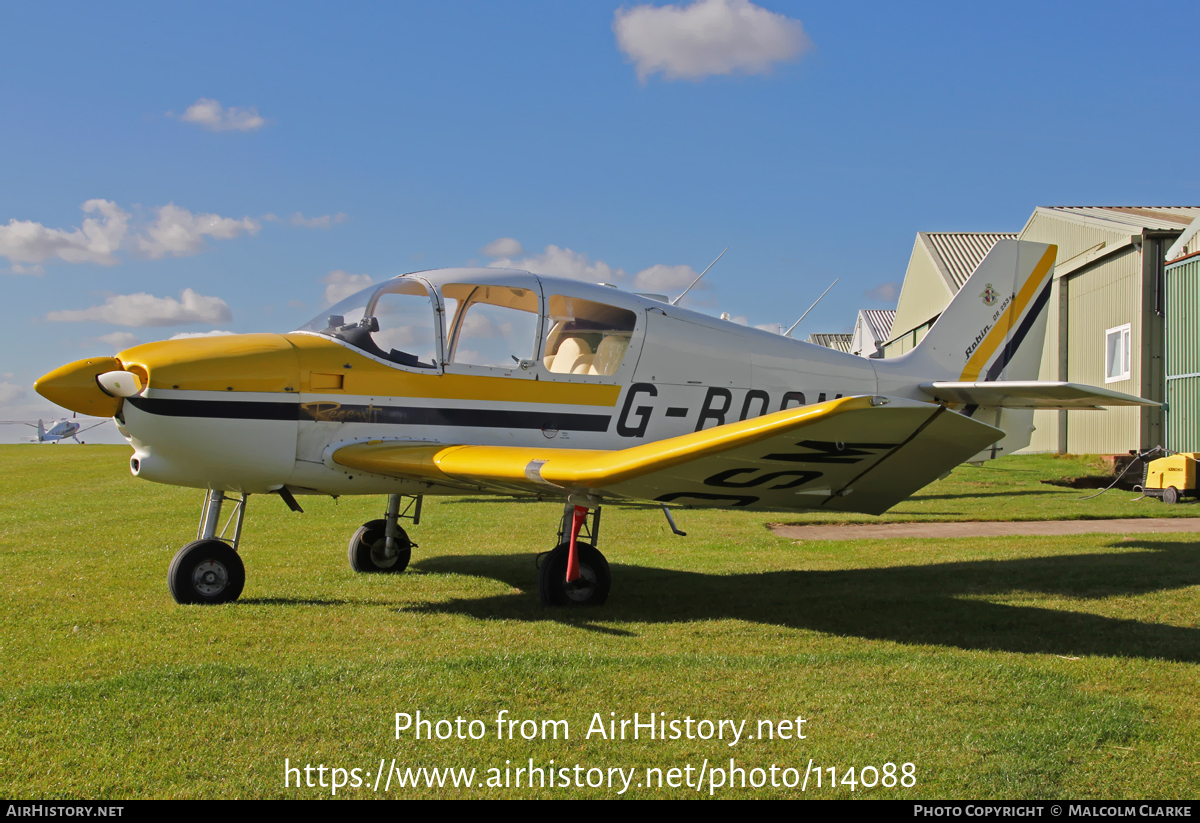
367 549
1170 495
206 571
591 589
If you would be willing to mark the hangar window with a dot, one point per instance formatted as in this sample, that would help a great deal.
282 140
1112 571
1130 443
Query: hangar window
1116 353
394 321
491 325
586 338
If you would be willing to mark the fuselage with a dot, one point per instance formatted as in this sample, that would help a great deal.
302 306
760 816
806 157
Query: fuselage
503 358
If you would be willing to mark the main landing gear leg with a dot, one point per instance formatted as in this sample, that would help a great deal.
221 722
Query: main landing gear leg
381 545
209 569
575 573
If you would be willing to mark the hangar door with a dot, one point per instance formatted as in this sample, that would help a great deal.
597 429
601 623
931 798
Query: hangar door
1183 355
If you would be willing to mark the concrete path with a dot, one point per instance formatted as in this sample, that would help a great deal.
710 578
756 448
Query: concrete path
979 528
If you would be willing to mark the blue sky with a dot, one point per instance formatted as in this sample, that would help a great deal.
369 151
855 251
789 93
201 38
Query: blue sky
301 147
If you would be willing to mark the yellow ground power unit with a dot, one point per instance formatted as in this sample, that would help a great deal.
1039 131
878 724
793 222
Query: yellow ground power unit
1168 478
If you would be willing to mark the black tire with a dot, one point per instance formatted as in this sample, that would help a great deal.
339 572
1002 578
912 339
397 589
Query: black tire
1170 495
590 590
206 572
366 549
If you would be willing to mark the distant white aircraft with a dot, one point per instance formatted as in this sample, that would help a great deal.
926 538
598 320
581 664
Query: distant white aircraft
60 430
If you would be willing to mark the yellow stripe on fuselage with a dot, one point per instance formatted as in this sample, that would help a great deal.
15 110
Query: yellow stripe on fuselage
286 364
1004 325
370 378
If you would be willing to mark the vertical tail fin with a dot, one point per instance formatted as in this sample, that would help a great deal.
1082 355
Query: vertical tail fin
995 327
41 431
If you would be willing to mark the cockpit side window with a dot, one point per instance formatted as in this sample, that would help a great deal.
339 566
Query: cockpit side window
394 321
586 338
491 325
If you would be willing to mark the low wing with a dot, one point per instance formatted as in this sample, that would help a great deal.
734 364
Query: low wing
861 454
1031 394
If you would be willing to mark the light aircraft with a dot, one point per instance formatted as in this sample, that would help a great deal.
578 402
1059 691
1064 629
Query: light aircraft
60 430
499 381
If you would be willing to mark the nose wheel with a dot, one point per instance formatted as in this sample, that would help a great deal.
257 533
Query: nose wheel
209 570
206 571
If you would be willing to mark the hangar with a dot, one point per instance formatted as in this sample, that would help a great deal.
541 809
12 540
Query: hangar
871 330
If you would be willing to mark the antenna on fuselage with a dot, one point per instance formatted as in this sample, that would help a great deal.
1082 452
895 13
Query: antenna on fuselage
697 280
788 333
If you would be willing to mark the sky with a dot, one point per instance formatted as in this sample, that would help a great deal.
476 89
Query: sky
189 168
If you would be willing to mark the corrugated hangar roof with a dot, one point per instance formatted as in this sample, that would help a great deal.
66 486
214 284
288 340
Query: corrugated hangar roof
960 252
1155 218
841 342
880 321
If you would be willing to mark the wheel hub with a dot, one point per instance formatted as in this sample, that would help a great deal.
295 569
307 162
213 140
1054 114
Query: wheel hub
581 590
210 578
380 556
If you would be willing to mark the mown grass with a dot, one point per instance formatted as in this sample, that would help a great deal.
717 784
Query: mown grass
1055 667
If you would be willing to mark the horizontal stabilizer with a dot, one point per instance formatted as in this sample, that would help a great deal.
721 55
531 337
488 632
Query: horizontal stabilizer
1031 394
811 457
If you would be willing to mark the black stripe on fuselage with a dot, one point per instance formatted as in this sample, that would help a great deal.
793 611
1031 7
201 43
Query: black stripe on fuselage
223 409
334 412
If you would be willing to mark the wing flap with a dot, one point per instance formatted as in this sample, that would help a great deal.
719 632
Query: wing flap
1031 394
852 454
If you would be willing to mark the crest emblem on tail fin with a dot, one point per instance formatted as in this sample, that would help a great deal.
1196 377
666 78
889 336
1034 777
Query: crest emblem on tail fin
989 295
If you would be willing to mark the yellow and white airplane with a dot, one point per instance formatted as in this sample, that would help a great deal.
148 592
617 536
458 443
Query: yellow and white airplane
500 381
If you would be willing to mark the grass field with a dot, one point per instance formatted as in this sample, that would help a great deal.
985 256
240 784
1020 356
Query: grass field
1054 667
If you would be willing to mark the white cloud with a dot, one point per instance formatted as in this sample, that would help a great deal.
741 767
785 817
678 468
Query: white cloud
479 325
141 309
120 339
340 284
323 222
885 292
503 247
213 116
10 392
24 241
774 328
666 279
560 262
184 335
178 232
706 38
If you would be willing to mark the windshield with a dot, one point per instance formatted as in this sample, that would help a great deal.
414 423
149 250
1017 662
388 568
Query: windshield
394 321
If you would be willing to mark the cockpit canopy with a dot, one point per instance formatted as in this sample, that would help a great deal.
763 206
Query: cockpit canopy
501 324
